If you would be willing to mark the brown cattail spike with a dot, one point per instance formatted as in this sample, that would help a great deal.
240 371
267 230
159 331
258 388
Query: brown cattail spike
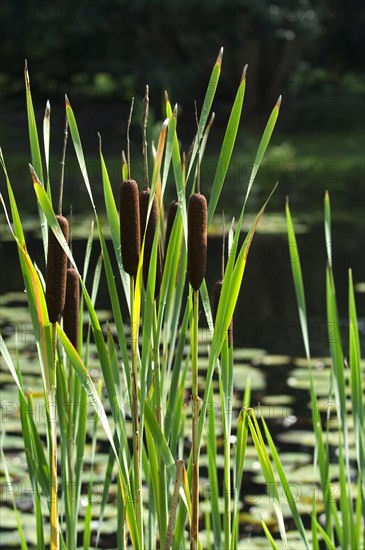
197 239
217 294
144 198
129 226
173 208
56 273
71 310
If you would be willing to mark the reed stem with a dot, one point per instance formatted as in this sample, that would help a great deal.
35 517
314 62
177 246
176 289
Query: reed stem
53 449
146 103
195 411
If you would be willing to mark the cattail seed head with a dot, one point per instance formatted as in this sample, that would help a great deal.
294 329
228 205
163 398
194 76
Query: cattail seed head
197 239
144 198
173 208
217 294
129 226
71 310
56 272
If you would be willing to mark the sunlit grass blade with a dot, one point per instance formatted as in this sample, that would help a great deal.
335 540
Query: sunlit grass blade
78 148
207 105
227 147
265 140
327 228
46 141
269 536
326 538
356 384
35 151
18 232
298 279
178 172
267 471
232 282
32 127
171 130
286 487
334 337
160 441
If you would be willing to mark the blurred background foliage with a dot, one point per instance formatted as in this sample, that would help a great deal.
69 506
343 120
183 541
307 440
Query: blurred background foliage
104 52
311 51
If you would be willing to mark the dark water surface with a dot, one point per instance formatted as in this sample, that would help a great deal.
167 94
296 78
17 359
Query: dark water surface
266 314
268 350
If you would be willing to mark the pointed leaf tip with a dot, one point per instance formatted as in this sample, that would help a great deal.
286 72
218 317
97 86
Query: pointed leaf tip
99 136
166 96
26 73
67 101
278 103
220 57
32 172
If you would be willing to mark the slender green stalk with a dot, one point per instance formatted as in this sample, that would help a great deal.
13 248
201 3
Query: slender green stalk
195 410
227 367
136 435
53 449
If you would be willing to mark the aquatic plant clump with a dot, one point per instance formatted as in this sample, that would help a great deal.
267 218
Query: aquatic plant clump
124 385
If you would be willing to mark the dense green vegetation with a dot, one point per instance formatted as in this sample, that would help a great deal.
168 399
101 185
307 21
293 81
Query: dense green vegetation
149 359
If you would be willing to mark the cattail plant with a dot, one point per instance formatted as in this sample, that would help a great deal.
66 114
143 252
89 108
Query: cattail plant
56 257
129 226
197 261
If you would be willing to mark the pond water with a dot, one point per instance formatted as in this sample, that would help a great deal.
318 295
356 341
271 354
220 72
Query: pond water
268 350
